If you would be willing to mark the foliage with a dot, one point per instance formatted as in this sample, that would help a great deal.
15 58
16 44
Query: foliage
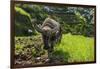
75 20
76 48
22 12
23 23
73 48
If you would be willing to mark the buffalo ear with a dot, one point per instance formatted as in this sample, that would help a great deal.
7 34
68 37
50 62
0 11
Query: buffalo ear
38 28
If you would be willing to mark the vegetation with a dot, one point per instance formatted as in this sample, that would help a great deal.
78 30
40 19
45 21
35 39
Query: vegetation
77 44
76 48
73 48
74 20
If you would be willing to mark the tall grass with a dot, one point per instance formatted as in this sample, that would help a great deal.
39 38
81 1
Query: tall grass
75 48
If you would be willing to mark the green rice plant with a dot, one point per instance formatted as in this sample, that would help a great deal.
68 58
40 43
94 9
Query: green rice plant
75 48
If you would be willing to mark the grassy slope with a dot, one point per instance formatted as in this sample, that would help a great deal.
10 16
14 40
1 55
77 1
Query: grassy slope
76 48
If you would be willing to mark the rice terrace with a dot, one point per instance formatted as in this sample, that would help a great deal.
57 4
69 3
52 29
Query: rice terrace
72 48
53 34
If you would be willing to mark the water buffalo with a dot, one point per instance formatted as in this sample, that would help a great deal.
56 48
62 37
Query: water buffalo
51 33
